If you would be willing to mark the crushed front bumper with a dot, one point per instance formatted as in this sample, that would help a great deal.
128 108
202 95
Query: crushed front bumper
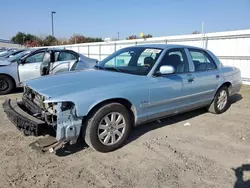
25 122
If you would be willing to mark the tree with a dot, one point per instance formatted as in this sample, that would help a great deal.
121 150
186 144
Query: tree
82 39
147 36
77 39
19 38
50 41
131 37
90 39
26 39
33 40
196 32
32 43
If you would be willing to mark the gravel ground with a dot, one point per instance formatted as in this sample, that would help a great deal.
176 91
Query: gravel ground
208 151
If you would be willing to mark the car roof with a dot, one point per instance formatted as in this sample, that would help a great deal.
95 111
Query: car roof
52 49
166 46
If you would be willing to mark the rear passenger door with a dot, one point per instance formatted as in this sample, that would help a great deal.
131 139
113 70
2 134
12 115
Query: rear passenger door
64 60
206 77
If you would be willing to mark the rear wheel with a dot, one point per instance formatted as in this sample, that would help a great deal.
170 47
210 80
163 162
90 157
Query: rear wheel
220 102
6 85
108 127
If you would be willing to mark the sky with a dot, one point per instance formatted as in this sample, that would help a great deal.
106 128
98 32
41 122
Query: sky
104 18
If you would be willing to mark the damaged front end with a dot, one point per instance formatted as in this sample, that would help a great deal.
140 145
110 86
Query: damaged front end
34 116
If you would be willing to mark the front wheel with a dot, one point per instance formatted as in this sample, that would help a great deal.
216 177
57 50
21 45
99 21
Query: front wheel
108 127
6 85
220 102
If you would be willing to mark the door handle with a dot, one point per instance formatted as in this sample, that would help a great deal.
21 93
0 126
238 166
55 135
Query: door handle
217 76
37 67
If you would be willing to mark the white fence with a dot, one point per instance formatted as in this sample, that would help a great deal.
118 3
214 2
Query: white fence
232 47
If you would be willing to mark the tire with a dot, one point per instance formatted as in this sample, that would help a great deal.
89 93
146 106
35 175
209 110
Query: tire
214 106
7 85
100 133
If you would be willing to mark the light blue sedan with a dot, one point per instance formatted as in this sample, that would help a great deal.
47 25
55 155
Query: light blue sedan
132 86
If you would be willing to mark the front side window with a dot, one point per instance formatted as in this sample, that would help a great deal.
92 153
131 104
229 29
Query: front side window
177 59
202 61
133 60
38 57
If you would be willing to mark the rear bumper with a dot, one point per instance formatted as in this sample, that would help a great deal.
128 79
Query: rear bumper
22 120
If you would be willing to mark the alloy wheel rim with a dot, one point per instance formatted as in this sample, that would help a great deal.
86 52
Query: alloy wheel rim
111 128
222 100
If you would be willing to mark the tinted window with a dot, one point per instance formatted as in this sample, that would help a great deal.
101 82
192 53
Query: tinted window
38 57
176 58
65 56
202 61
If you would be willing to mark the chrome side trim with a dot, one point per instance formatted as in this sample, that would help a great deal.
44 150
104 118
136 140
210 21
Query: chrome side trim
162 102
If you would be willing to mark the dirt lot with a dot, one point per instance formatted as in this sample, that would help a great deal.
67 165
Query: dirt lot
159 154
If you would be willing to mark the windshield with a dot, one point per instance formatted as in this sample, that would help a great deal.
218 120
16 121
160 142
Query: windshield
18 56
132 60
2 54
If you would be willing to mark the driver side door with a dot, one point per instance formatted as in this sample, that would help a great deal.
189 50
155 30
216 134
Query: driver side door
168 92
30 68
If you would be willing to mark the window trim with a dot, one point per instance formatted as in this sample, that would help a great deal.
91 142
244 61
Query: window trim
170 50
207 55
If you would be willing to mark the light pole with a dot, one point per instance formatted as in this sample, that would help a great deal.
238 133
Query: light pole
118 35
23 39
52 21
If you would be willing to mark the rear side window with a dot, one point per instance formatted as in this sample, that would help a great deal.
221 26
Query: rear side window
66 56
202 61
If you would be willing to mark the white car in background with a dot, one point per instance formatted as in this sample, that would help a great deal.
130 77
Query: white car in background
14 71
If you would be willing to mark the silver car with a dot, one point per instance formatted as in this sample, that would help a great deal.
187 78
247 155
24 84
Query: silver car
45 61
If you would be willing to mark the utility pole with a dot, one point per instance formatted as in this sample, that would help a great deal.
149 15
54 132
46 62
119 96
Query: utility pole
52 21
202 27
202 34
118 35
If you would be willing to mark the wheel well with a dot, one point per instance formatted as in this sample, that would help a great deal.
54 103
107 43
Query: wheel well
228 85
122 101
13 80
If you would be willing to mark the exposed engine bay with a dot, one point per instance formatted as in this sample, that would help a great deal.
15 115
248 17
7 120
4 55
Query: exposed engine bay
34 102
61 116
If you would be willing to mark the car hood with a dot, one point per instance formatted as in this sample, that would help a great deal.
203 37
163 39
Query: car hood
86 81
4 62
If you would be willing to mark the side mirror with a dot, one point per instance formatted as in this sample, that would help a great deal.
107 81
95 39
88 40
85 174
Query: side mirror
166 69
